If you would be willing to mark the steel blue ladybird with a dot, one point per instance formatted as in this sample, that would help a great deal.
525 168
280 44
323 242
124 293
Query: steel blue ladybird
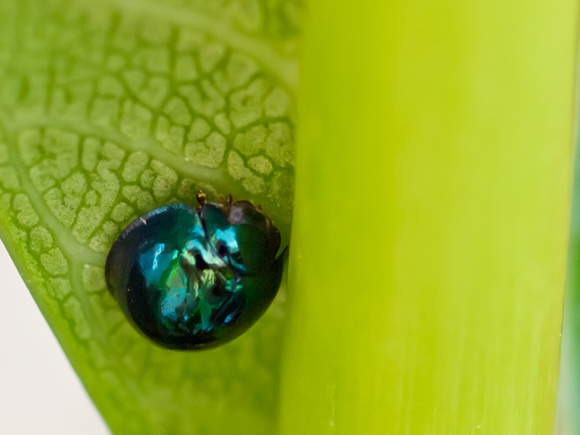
195 278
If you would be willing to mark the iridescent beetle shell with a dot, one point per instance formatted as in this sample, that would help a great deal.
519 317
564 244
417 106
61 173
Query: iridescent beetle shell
196 278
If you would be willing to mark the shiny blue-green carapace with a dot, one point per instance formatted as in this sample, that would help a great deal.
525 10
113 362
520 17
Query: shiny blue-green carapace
196 278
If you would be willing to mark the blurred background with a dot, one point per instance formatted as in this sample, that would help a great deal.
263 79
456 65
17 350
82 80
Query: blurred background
41 394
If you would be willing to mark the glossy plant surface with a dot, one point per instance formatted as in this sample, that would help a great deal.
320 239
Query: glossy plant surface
445 129
192 278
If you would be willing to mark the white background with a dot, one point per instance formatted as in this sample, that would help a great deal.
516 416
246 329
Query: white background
39 392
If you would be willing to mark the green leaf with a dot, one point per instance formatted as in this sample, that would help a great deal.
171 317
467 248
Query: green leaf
109 109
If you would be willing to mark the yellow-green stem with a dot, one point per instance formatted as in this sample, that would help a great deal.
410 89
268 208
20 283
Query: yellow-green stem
431 218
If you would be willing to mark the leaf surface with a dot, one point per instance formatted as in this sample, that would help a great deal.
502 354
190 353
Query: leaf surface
108 110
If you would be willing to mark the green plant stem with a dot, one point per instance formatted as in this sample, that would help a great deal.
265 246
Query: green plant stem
431 218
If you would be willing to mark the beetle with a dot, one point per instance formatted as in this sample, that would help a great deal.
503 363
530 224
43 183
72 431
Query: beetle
192 278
